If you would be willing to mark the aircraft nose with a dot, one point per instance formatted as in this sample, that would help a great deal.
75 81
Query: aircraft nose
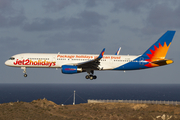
7 62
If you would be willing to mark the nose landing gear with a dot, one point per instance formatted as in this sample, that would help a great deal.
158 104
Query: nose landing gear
24 68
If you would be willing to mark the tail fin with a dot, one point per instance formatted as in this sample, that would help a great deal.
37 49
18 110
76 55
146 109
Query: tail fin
159 49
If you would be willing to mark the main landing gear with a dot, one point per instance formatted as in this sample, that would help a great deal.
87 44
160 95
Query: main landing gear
24 68
90 75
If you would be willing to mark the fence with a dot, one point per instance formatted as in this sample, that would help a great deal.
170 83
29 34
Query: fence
135 101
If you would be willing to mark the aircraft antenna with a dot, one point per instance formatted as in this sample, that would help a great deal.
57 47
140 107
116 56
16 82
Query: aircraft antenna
74 98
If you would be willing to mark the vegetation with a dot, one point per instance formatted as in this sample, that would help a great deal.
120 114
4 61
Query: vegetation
43 109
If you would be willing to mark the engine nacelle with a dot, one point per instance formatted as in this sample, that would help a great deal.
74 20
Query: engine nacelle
70 69
100 67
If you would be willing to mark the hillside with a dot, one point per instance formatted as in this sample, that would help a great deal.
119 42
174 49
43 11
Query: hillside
43 109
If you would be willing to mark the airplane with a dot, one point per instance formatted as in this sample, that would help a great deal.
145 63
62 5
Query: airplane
78 63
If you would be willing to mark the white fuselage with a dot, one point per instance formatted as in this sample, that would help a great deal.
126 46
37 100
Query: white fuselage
44 60
77 63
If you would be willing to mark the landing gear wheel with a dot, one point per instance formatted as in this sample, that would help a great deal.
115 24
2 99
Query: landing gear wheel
91 77
25 75
94 77
87 76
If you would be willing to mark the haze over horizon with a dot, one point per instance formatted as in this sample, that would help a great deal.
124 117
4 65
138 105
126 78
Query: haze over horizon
86 27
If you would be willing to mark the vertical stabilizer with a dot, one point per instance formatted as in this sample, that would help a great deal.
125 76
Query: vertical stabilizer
159 49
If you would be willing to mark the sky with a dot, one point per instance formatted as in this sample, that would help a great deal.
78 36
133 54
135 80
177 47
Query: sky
86 27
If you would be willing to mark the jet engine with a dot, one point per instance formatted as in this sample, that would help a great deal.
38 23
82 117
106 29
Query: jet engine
70 69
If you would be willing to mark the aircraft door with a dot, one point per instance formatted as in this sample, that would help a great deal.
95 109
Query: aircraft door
54 60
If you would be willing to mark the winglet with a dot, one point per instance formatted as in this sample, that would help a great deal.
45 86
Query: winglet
101 54
118 51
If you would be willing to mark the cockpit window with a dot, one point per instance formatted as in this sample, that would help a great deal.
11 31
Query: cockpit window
11 58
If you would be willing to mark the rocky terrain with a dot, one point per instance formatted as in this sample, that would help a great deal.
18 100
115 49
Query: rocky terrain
43 109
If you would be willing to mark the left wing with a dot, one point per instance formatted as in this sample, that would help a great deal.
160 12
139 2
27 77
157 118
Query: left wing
92 64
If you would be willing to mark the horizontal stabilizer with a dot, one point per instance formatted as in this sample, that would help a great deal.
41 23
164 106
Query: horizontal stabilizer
162 62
